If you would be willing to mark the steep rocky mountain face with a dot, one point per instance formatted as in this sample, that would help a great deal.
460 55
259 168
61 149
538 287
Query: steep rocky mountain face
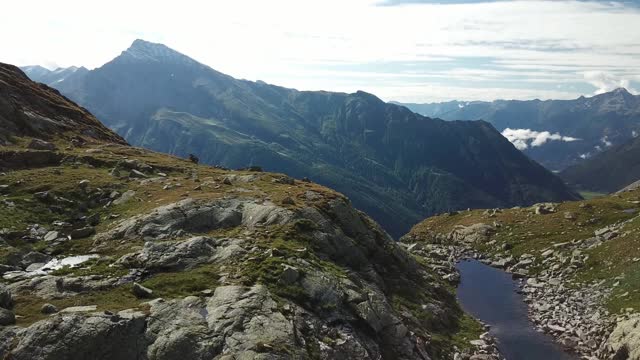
114 252
598 122
31 109
395 165
579 264
609 171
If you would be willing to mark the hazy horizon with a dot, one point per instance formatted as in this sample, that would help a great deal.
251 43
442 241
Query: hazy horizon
407 50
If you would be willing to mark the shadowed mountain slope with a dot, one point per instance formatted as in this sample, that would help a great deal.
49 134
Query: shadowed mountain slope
394 164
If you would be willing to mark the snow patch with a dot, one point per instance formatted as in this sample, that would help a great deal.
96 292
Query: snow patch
55 264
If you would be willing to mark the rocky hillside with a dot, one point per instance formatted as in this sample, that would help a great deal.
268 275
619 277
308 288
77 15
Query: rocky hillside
395 165
598 122
579 261
36 110
114 252
609 171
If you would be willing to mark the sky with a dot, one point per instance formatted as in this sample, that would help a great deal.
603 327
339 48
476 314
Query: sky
403 50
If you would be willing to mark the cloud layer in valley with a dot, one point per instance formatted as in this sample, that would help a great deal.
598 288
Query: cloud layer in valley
405 50
524 138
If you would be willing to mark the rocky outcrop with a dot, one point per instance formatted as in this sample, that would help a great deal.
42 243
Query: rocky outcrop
191 216
472 233
236 322
31 109
182 255
624 341
51 287
75 336
333 298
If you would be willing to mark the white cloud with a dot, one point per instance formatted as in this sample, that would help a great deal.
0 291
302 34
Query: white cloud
606 142
605 82
523 138
634 134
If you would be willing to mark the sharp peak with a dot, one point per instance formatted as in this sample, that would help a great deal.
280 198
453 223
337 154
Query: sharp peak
618 91
150 51
144 44
621 90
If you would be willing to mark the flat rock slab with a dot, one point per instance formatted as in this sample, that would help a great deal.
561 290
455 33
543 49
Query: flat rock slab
76 309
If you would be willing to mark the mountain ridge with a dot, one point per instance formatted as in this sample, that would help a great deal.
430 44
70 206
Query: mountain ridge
29 109
108 251
598 122
609 171
394 164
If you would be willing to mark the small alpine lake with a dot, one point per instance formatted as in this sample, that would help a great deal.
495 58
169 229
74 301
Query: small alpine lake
490 295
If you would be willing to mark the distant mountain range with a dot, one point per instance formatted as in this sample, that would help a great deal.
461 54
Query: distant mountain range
608 171
582 127
396 165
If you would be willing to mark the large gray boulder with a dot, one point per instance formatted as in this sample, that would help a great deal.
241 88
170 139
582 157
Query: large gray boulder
55 287
247 318
74 336
37 144
236 322
172 255
193 216
178 330
626 337
472 233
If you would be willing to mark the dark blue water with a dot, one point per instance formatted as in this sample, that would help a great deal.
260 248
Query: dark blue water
489 295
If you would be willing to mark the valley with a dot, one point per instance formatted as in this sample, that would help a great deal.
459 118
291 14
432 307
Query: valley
97 229
112 251
320 180
556 133
395 165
